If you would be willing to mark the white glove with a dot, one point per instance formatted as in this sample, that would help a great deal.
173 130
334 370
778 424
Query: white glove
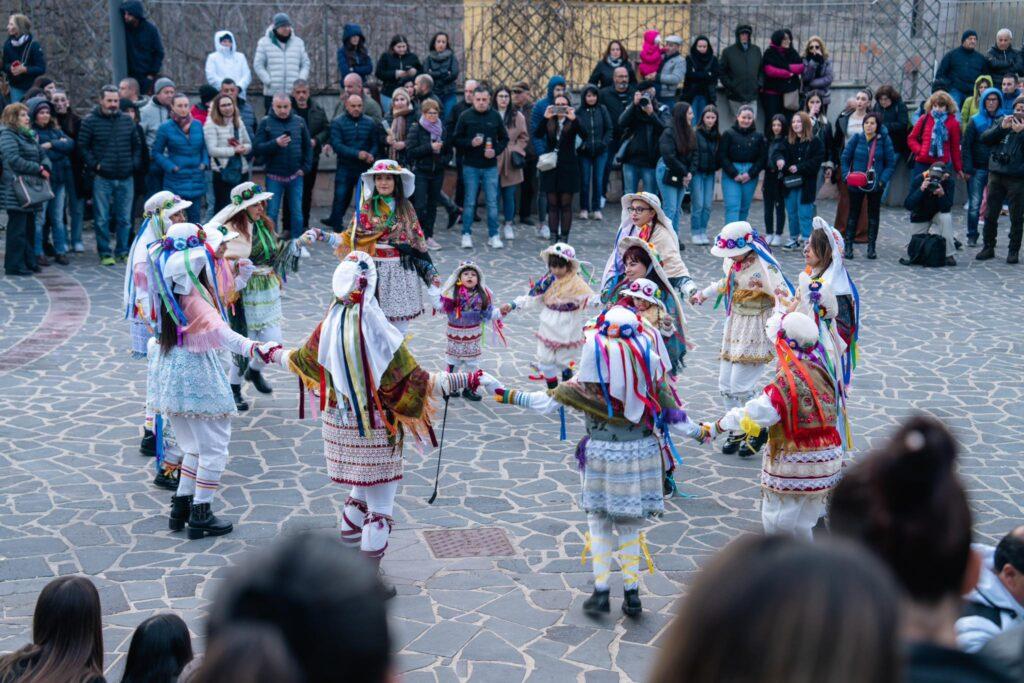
434 293
313 235
245 270
490 383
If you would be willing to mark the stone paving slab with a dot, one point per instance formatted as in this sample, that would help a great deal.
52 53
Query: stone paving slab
75 495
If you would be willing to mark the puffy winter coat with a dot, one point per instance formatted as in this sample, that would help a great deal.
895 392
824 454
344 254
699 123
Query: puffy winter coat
858 151
357 61
143 45
1000 62
706 157
59 153
217 147
741 68
227 63
443 67
989 609
671 74
650 56
183 158
30 54
679 165
595 127
817 76
920 139
959 69
602 75
701 76
782 69
21 155
389 63
350 136
743 145
279 64
421 154
284 161
540 143
643 131
109 146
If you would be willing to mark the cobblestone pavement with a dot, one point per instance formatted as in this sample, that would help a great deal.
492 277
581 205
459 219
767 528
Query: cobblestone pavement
75 495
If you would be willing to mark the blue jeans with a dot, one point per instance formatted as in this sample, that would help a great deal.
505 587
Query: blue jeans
112 202
633 174
698 104
54 211
958 97
472 179
738 197
17 94
800 215
671 197
448 103
702 189
975 191
293 191
211 200
508 203
592 176
76 214
385 103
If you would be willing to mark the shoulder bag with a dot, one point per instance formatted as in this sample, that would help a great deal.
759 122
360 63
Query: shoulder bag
549 160
231 174
32 190
864 180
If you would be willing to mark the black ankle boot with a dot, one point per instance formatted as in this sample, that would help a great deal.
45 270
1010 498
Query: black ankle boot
848 250
986 253
258 382
470 395
598 603
241 405
181 508
732 444
751 447
202 522
631 606
168 480
148 445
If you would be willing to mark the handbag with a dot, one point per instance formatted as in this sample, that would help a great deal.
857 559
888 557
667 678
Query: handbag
859 179
32 190
791 101
517 160
672 180
231 174
791 182
547 161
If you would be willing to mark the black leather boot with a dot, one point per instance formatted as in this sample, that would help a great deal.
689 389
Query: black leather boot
732 444
148 445
258 382
241 405
470 395
754 445
986 253
631 606
872 237
598 603
168 479
202 522
181 508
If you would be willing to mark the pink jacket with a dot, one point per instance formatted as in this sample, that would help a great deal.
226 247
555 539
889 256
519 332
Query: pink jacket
650 55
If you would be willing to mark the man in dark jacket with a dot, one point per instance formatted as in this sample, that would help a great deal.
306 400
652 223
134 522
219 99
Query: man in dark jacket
615 97
356 141
23 56
143 45
1002 59
740 70
283 143
481 136
959 68
111 151
423 90
522 97
315 118
975 155
930 203
1005 181
642 123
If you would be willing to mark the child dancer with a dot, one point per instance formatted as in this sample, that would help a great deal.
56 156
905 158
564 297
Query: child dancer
372 394
161 211
190 387
798 411
563 297
825 264
648 300
752 287
469 305
622 392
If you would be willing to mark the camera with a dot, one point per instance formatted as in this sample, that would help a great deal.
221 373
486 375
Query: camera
934 182
644 102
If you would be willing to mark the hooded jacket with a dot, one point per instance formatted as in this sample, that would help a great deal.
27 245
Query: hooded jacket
279 64
959 69
973 151
701 74
989 609
227 63
61 149
360 59
30 54
1000 62
540 143
650 55
21 155
972 104
782 67
143 45
595 125
741 68
818 76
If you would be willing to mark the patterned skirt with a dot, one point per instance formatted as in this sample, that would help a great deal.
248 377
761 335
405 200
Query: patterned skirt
623 479
140 336
188 384
262 300
744 339
463 344
399 291
812 472
375 458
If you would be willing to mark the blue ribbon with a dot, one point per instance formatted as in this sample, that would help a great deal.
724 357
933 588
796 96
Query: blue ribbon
561 419
158 430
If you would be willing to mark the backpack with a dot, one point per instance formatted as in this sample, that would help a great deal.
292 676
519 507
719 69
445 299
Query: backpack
927 250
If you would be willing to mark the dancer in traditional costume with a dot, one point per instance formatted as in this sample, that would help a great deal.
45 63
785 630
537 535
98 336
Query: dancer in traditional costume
629 409
469 305
372 396
385 226
648 300
161 211
753 287
565 301
798 412
190 386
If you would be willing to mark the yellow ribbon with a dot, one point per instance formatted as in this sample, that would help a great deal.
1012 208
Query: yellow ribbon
586 548
647 552
749 427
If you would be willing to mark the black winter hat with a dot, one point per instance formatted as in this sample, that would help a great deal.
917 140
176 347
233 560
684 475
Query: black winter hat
207 92
967 34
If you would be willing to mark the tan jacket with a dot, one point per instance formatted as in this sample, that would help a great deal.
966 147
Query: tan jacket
517 140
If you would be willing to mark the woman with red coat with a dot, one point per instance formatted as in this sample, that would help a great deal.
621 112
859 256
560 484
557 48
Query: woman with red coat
782 66
936 135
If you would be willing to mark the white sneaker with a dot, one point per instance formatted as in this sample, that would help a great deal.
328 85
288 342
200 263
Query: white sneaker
467 242
304 253
775 241
597 215
584 216
602 202
432 244
704 241
510 233
79 248
495 242
544 232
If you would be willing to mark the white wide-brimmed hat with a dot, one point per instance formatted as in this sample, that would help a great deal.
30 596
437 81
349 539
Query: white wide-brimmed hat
736 238
356 273
389 167
799 331
561 250
166 203
647 290
817 297
242 197
626 242
181 256
217 234
649 199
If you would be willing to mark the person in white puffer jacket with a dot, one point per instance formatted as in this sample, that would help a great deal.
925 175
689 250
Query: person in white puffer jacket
227 62
997 602
280 58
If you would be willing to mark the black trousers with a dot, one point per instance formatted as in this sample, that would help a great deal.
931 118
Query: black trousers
774 195
528 189
874 208
21 235
426 198
1003 188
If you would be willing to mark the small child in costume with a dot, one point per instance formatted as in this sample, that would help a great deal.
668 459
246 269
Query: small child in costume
563 297
647 299
469 305
651 55
752 288
798 411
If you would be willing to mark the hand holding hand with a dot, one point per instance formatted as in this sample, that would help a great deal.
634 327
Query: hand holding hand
698 298
245 268
505 309
269 352
490 383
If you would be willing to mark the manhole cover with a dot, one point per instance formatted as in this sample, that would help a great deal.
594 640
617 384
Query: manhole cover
454 543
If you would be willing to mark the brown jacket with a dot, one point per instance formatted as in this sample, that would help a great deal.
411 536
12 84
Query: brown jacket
517 141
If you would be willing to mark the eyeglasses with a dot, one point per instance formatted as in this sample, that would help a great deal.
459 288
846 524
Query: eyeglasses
638 209
815 48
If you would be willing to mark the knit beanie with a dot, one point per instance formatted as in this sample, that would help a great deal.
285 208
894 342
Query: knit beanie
967 34
281 19
163 82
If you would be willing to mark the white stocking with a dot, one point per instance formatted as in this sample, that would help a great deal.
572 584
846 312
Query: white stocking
600 549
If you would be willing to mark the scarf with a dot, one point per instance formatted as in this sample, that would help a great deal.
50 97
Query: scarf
21 40
435 128
442 56
614 63
184 122
27 132
940 135
398 124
